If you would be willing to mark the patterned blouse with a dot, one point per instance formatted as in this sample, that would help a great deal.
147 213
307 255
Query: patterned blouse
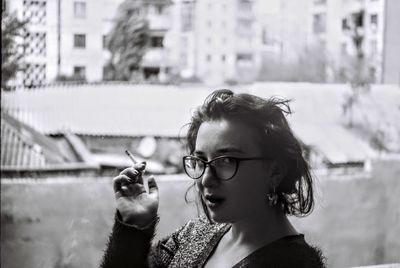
192 245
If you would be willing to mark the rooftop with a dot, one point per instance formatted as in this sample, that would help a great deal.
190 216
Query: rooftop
162 111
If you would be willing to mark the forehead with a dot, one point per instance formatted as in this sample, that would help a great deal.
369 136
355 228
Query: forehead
214 136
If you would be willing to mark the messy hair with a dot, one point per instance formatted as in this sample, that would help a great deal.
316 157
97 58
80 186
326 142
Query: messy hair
267 118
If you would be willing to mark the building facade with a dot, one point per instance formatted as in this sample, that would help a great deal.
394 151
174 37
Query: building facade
306 32
217 41
66 39
336 25
213 41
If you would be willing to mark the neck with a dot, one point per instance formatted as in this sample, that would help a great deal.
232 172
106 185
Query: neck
261 229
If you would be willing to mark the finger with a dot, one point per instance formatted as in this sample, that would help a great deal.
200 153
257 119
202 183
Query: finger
153 187
135 171
130 190
140 166
120 181
134 190
131 173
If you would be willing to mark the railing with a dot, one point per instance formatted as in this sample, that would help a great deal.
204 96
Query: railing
17 150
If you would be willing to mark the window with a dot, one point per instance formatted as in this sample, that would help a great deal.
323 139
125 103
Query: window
209 40
319 2
372 74
244 57
343 48
245 6
223 58
358 19
244 26
4 6
159 9
374 22
104 41
266 37
80 72
208 57
345 24
209 23
80 10
319 23
79 40
157 41
187 17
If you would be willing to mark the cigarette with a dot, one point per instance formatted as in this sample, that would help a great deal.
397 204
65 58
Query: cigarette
129 154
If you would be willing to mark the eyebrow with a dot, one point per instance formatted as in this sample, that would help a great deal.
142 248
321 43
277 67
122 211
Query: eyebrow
223 150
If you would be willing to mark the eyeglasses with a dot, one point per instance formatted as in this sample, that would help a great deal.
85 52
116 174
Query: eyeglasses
223 167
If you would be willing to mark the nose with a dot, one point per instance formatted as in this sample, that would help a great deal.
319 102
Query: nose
208 179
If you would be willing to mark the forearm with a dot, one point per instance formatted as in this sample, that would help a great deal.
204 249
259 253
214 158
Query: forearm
128 246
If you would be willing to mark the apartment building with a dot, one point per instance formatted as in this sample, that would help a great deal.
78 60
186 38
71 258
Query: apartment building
67 38
217 41
333 25
323 29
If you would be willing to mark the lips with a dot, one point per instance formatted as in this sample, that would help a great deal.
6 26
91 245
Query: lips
213 201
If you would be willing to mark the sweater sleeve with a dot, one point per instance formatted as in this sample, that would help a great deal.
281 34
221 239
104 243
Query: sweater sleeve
128 245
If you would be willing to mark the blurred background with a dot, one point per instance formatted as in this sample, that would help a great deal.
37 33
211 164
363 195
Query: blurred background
83 80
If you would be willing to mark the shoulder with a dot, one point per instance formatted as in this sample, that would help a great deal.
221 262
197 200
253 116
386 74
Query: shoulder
295 251
290 251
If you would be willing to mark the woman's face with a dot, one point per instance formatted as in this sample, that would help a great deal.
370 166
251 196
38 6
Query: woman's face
243 196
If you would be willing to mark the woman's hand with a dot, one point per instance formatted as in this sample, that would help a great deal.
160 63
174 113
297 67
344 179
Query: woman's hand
135 205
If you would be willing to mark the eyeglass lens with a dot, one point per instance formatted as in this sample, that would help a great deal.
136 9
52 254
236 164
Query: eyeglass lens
224 168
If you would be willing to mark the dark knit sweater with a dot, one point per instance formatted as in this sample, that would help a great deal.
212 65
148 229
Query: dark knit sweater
192 244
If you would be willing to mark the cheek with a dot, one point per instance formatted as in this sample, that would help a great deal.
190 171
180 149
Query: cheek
253 186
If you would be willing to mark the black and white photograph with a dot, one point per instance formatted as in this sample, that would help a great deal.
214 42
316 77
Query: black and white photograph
200 133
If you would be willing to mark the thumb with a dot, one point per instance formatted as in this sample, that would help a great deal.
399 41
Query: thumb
153 188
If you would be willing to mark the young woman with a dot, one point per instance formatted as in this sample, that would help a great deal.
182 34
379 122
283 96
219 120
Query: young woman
250 174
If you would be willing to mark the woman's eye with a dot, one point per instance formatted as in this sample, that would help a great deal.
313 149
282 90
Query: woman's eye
227 160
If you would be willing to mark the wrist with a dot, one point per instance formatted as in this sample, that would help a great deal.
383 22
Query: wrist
135 221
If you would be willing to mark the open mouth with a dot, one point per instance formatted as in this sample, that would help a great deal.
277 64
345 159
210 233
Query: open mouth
213 201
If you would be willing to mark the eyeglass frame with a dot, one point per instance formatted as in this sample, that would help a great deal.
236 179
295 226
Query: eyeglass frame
208 163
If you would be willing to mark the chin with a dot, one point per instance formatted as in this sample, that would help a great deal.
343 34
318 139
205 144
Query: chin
219 217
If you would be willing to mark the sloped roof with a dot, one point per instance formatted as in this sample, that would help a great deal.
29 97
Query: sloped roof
106 109
53 151
155 110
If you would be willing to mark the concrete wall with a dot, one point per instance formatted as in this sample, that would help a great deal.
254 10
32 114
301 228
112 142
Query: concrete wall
65 222
357 221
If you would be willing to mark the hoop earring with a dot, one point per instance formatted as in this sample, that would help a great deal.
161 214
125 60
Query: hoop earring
272 198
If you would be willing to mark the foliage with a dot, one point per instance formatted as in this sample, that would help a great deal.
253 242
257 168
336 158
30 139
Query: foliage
11 50
127 42
356 71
